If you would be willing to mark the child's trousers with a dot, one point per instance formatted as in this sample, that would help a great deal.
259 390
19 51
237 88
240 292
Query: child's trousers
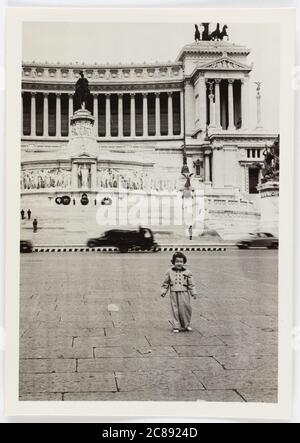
181 309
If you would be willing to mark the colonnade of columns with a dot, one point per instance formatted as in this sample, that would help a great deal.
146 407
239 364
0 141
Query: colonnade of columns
108 114
214 102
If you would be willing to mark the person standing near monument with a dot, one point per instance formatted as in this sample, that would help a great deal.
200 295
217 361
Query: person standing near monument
22 214
34 224
29 214
179 280
191 232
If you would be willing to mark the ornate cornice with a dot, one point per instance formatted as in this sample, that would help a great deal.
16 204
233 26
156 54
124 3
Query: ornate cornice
103 88
38 72
212 48
242 137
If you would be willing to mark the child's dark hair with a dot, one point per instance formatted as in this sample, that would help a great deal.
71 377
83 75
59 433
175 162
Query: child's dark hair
178 255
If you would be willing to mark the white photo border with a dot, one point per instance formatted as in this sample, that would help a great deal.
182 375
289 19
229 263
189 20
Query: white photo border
285 19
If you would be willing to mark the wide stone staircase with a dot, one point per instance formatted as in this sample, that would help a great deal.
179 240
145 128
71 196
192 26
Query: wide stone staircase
74 224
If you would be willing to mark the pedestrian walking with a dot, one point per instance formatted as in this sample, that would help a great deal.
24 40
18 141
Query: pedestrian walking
22 214
74 201
179 280
29 214
191 232
35 223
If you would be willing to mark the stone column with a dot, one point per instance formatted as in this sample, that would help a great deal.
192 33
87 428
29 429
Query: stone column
202 102
211 107
245 102
95 112
243 178
145 114
58 115
258 111
217 103
230 105
33 115
74 176
157 114
132 115
218 168
189 109
93 176
207 178
181 114
46 115
120 115
170 113
230 166
107 116
71 111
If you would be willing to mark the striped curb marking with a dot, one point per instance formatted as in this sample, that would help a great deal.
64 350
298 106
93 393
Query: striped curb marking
158 249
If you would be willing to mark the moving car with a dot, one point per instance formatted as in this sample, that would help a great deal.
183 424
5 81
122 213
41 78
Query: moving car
259 240
125 239
26 246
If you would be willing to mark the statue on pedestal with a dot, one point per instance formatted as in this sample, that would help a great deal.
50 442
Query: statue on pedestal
188 180
84 173
270 169
82 93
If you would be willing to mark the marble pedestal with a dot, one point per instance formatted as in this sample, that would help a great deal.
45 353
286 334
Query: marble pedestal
269 203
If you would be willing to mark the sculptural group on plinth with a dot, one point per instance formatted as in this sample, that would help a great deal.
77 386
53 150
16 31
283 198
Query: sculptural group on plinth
270 170
216 35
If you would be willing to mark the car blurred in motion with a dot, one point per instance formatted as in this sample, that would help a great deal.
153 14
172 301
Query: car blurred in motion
125 240
25 246
258 240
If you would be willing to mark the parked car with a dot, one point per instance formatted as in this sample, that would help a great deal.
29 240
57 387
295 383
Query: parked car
259 240
26 246
125 240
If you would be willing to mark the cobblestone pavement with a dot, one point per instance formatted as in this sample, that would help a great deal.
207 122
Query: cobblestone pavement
93 327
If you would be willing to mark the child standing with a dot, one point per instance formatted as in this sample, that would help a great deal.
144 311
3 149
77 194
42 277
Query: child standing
181 284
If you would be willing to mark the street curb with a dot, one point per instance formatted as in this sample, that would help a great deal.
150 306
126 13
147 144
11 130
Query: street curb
103 249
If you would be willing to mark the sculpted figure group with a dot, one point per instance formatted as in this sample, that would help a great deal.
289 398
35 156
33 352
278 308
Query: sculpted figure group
132 180
270 170
206 35
45 178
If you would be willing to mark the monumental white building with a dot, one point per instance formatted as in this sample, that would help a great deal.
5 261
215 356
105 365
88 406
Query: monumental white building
143 119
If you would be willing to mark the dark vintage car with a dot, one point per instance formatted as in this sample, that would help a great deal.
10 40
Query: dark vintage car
125 240
259 240
25 246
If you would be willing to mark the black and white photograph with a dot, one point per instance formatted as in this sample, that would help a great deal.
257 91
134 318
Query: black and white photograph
149 207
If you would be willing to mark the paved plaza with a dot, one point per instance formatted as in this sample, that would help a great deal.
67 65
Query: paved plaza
94 327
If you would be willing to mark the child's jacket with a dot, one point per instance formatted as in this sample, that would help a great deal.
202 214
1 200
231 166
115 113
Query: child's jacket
179 281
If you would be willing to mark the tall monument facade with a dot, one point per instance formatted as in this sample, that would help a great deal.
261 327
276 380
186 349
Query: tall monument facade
140 123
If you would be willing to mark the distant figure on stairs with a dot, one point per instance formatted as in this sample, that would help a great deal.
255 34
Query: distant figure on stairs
22 214
35 223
